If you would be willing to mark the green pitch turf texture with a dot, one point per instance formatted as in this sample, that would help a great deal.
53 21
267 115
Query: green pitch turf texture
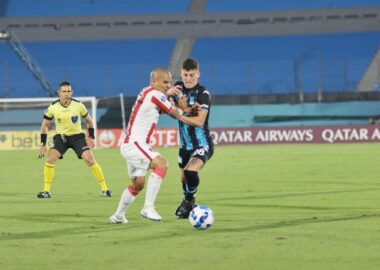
276 207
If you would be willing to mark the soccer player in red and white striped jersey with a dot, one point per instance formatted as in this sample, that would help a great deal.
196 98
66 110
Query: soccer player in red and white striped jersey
139 155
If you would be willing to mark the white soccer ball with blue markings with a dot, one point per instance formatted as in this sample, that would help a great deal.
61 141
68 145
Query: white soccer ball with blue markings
201 217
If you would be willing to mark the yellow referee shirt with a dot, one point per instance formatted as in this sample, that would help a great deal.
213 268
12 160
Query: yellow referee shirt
67 118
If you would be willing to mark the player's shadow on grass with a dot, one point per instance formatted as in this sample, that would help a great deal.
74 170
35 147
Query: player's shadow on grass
99 228
26 197
51 219
296 222
57 233
54 218
289 195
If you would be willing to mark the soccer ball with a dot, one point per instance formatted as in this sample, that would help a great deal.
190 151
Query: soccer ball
201 217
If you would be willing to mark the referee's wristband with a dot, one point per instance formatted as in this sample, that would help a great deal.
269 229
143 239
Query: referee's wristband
43 139
91 133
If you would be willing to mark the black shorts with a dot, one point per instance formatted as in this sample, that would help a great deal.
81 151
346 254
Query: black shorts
77 142
204 154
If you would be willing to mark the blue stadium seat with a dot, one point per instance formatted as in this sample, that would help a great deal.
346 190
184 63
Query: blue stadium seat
87 7
267 65
259 65
96 68
259 5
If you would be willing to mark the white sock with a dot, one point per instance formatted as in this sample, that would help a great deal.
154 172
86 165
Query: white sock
153 186
126 200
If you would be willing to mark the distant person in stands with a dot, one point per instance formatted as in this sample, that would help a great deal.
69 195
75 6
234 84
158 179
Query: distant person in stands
138 154
196 146
374 120
67 113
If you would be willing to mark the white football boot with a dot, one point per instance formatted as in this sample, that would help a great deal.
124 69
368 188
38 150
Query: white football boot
114 219
150 213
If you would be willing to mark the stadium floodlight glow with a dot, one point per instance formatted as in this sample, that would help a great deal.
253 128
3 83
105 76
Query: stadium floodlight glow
4 35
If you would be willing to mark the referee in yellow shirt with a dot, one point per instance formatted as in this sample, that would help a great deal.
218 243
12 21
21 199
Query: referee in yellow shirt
67 113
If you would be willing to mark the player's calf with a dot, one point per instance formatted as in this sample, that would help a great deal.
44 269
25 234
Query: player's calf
191 184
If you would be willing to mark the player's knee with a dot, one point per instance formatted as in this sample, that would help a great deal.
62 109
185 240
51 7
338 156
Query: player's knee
51 160
88 158
133 190
138 184
90 161
160 166
161 171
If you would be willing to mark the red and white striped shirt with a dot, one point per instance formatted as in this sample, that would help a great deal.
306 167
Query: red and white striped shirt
145 114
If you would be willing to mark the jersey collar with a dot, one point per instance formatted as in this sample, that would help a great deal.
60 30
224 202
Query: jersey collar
187 90
66 105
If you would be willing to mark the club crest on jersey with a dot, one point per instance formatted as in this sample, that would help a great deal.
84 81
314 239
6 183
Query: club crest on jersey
163 99
74 119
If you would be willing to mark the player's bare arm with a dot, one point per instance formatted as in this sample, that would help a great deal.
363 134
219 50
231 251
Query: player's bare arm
175 112
90 127
197 120
89 122
184 106
44 130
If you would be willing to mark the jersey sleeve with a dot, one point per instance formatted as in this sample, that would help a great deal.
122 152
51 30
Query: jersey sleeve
160 100
49 113
204 99
83 111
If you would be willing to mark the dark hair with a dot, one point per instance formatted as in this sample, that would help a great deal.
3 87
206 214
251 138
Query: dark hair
64 84
190 64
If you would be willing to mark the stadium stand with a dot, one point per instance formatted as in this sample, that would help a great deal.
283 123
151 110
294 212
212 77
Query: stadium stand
268 65
16 8
256 64
259 5
249 65
256 67
96 68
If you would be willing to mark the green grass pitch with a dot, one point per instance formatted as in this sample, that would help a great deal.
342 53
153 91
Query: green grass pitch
276 207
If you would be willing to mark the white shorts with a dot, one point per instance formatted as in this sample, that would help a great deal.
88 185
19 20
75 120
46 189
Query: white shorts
138 156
